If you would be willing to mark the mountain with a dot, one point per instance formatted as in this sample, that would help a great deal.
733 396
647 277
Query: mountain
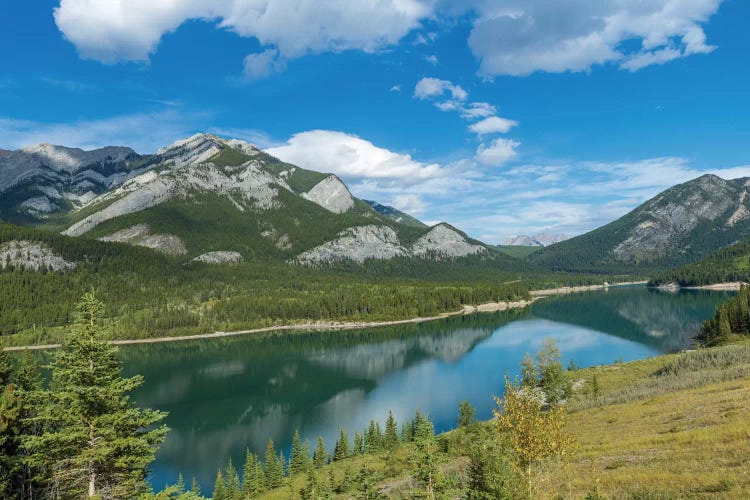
680 225
46 179
727 265
215 200
395 214
539 240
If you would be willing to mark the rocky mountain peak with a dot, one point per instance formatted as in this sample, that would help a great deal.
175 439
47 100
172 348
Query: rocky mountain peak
200 147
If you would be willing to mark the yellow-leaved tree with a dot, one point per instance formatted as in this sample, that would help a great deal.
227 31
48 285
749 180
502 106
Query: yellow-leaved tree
533 433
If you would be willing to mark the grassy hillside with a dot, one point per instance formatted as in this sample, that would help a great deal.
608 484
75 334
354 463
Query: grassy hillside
670 427
726 265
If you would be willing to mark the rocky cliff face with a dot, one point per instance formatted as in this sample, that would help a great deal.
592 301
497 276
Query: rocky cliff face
682 224
382 243
331 194
32 255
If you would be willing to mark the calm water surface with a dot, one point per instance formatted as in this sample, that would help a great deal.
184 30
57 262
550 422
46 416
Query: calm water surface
225 395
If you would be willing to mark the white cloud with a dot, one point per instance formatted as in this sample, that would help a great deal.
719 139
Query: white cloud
396 88
144 132
476 110
351 157
497 152
263 64
493 125
428 88
412 204
519 37
130 30
432 59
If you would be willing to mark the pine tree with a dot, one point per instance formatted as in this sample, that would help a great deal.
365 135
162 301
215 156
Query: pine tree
195 488
297 457
273 469
320 455
311 490
466 414
6 368
359 444
341 450
253 481
390 440
365 481
232 482
220 489
94 442
180 486
424 461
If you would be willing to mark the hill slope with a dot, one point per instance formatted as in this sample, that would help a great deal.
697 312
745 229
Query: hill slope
730 264
680 225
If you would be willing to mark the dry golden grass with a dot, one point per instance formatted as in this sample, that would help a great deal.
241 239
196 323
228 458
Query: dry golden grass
664 442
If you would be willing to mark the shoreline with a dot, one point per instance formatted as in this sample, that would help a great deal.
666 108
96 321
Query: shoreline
730 286
582 288
350 325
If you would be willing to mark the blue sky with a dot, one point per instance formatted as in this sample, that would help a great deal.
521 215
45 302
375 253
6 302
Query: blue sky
499 116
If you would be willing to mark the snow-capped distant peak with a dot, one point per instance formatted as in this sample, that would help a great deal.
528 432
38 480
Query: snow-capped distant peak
539 240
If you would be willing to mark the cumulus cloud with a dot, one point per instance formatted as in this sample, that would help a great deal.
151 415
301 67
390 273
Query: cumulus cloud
412 204
428 88
263 64
519 37
130 30
497 152
351 157
493 125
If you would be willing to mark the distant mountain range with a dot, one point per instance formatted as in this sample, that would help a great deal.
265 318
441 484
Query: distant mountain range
539 240
215 200
680 225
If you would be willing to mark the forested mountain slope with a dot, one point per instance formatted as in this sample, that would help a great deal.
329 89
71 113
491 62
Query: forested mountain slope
726 265
680 225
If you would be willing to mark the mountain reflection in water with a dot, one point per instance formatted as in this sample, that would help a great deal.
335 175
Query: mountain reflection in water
226 395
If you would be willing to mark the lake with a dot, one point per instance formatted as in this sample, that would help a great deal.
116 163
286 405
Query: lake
225 395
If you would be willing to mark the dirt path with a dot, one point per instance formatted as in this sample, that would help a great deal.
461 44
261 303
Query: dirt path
353 325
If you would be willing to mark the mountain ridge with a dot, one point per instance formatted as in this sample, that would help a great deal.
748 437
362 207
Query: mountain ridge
260 205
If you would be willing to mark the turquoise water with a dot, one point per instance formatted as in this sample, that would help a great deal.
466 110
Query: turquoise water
225 395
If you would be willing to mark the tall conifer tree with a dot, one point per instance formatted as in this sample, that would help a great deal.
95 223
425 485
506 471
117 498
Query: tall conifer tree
94 442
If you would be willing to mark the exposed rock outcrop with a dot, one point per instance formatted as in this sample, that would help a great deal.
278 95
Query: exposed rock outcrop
358 244
444 241
140 235
331 194
32 255
219 257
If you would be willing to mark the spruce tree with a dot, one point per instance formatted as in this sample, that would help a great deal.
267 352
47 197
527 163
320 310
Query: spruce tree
195 488
366 487
390 441
466 414
341 450
253 481
94 442
424 461
320 455
6 368
232 482
273 469
220 489
299 456
359 444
